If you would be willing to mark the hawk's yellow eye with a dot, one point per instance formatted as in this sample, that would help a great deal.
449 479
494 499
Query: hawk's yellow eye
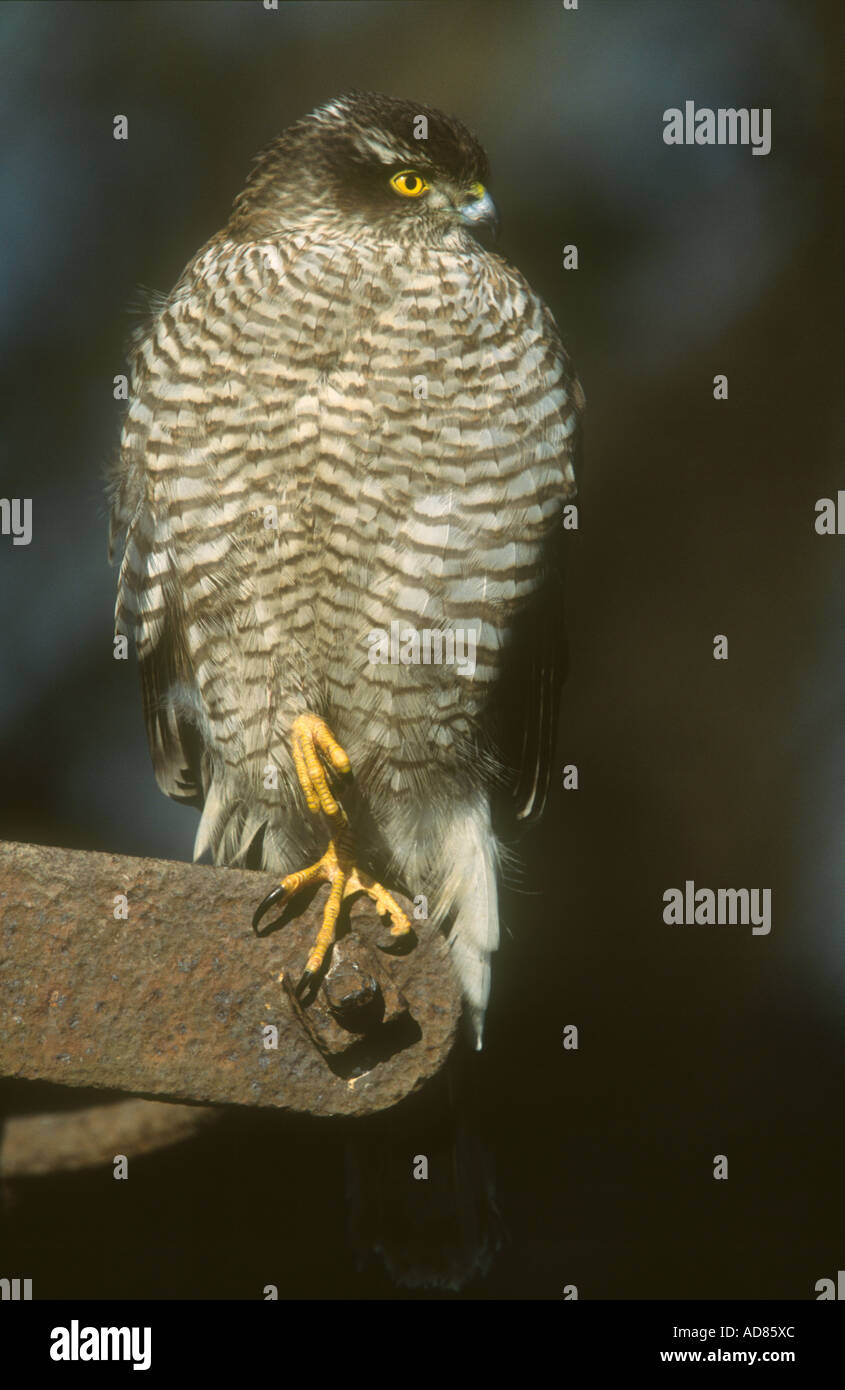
408 183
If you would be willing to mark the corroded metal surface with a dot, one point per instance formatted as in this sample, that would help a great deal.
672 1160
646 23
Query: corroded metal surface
358 1016
174 1000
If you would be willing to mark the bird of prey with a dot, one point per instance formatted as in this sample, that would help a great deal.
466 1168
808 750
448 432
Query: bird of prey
350 437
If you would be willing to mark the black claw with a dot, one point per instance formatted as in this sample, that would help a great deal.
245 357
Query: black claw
398 945
306 983
271 899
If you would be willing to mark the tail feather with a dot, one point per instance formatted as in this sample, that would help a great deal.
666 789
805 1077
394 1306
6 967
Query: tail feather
468 904
439 1229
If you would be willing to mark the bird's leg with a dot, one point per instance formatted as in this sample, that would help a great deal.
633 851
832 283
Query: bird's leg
313 744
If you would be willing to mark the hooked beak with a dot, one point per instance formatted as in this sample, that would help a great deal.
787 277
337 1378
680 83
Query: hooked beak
480 212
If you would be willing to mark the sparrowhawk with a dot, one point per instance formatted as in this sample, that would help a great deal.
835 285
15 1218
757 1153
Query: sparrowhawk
349 441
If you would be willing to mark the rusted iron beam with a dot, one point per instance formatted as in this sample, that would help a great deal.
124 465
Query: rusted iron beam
175 1000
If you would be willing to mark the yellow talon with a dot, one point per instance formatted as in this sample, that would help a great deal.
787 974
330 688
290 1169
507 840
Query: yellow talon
309 733
337 866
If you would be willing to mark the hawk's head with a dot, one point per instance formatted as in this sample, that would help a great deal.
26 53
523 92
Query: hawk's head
371 166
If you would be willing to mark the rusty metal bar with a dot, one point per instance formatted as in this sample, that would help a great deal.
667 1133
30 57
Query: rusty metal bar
174 1000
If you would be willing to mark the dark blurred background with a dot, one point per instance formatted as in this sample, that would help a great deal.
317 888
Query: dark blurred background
697 518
